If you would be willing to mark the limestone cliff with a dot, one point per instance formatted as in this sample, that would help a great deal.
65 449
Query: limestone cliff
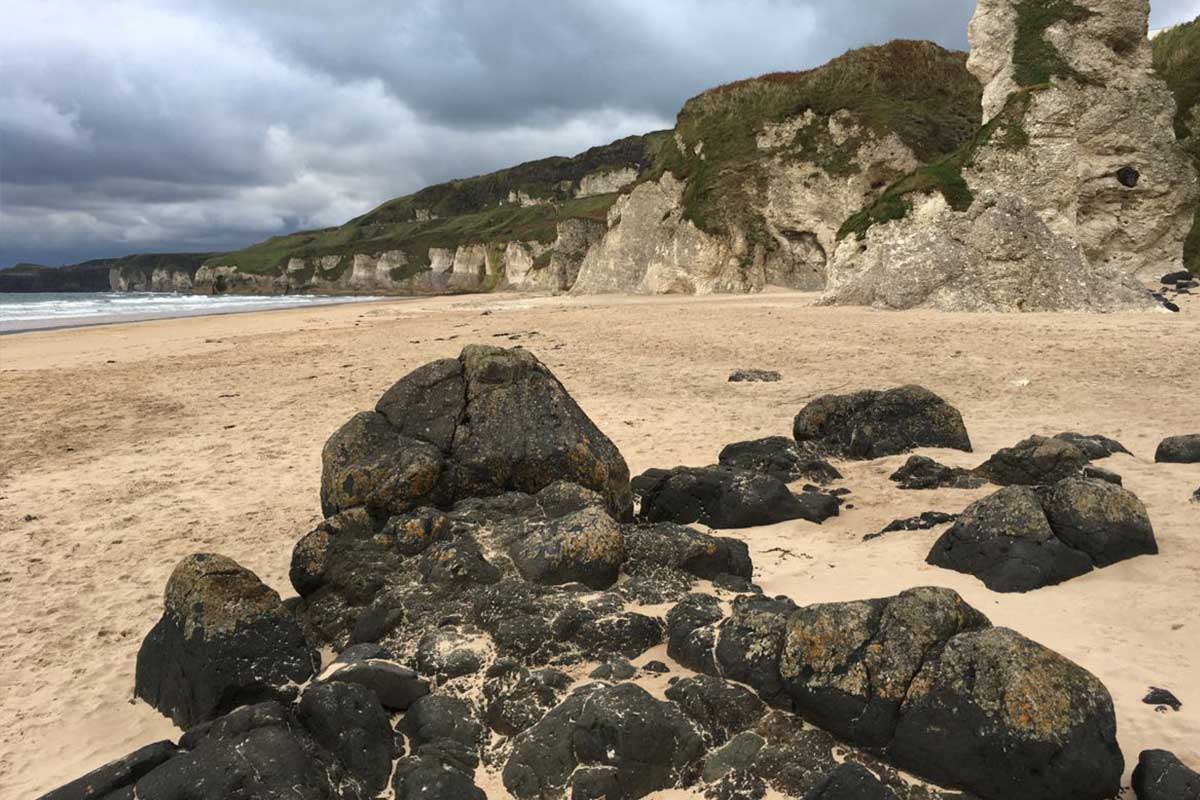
1077 178
761 174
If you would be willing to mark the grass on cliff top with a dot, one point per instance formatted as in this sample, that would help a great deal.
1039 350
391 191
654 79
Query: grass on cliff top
469 211
1177 61
1035 60
1005 130
505 223
917 90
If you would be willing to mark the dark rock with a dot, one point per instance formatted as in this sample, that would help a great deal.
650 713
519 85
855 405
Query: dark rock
848 666
1036 461
1172 278
1094 447
396 686
874 424
1160 775
671 545
561 498
922 522
627 633
691 632
737 754
224 640
516 698
648 742
415 531
115 775
1162 697
1179 450
655 667
428 403
1128 177
585 546
920 472
347 720
523 432
268 762
780 458
368 463
749 644
1095 473
755 375
726 498
1005 717
734 583
271 714
616 670
452 652
361 652
490 422
382 617
596 783
1006 541
1105 521
851 781
1196 495
721 709
457 563
432 778
445 723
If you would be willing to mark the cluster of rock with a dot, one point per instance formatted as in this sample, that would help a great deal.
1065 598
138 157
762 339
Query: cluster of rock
1074 192
748 487
474 558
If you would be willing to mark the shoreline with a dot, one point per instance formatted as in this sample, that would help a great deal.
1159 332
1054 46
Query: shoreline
101 320
129 448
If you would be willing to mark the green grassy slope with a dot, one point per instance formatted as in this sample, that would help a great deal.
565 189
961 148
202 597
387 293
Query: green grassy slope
917 90
1177 61
469 211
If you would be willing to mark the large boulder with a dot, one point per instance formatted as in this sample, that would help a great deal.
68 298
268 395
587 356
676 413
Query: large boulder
1102 519
1022 538
1005 717
642 744
104 781
1035 461
848 666
225 639
1160 775
1179 450
873 424
489 422
726 498
850 781
779 457
1006 541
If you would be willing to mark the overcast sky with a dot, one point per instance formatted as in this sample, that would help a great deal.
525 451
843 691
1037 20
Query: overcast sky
140 126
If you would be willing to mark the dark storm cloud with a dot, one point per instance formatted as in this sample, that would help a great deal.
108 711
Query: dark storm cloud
137 125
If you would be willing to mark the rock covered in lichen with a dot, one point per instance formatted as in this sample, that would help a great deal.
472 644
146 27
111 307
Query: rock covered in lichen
225 639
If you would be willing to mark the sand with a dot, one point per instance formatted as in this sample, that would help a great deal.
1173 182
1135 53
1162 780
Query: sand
126 447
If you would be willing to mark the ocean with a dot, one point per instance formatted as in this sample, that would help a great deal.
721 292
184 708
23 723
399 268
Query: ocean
43 310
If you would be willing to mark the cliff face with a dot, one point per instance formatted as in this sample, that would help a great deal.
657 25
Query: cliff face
24 278
1075 180
761 174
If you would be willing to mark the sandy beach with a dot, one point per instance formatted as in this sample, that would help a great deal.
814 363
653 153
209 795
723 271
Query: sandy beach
126 447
